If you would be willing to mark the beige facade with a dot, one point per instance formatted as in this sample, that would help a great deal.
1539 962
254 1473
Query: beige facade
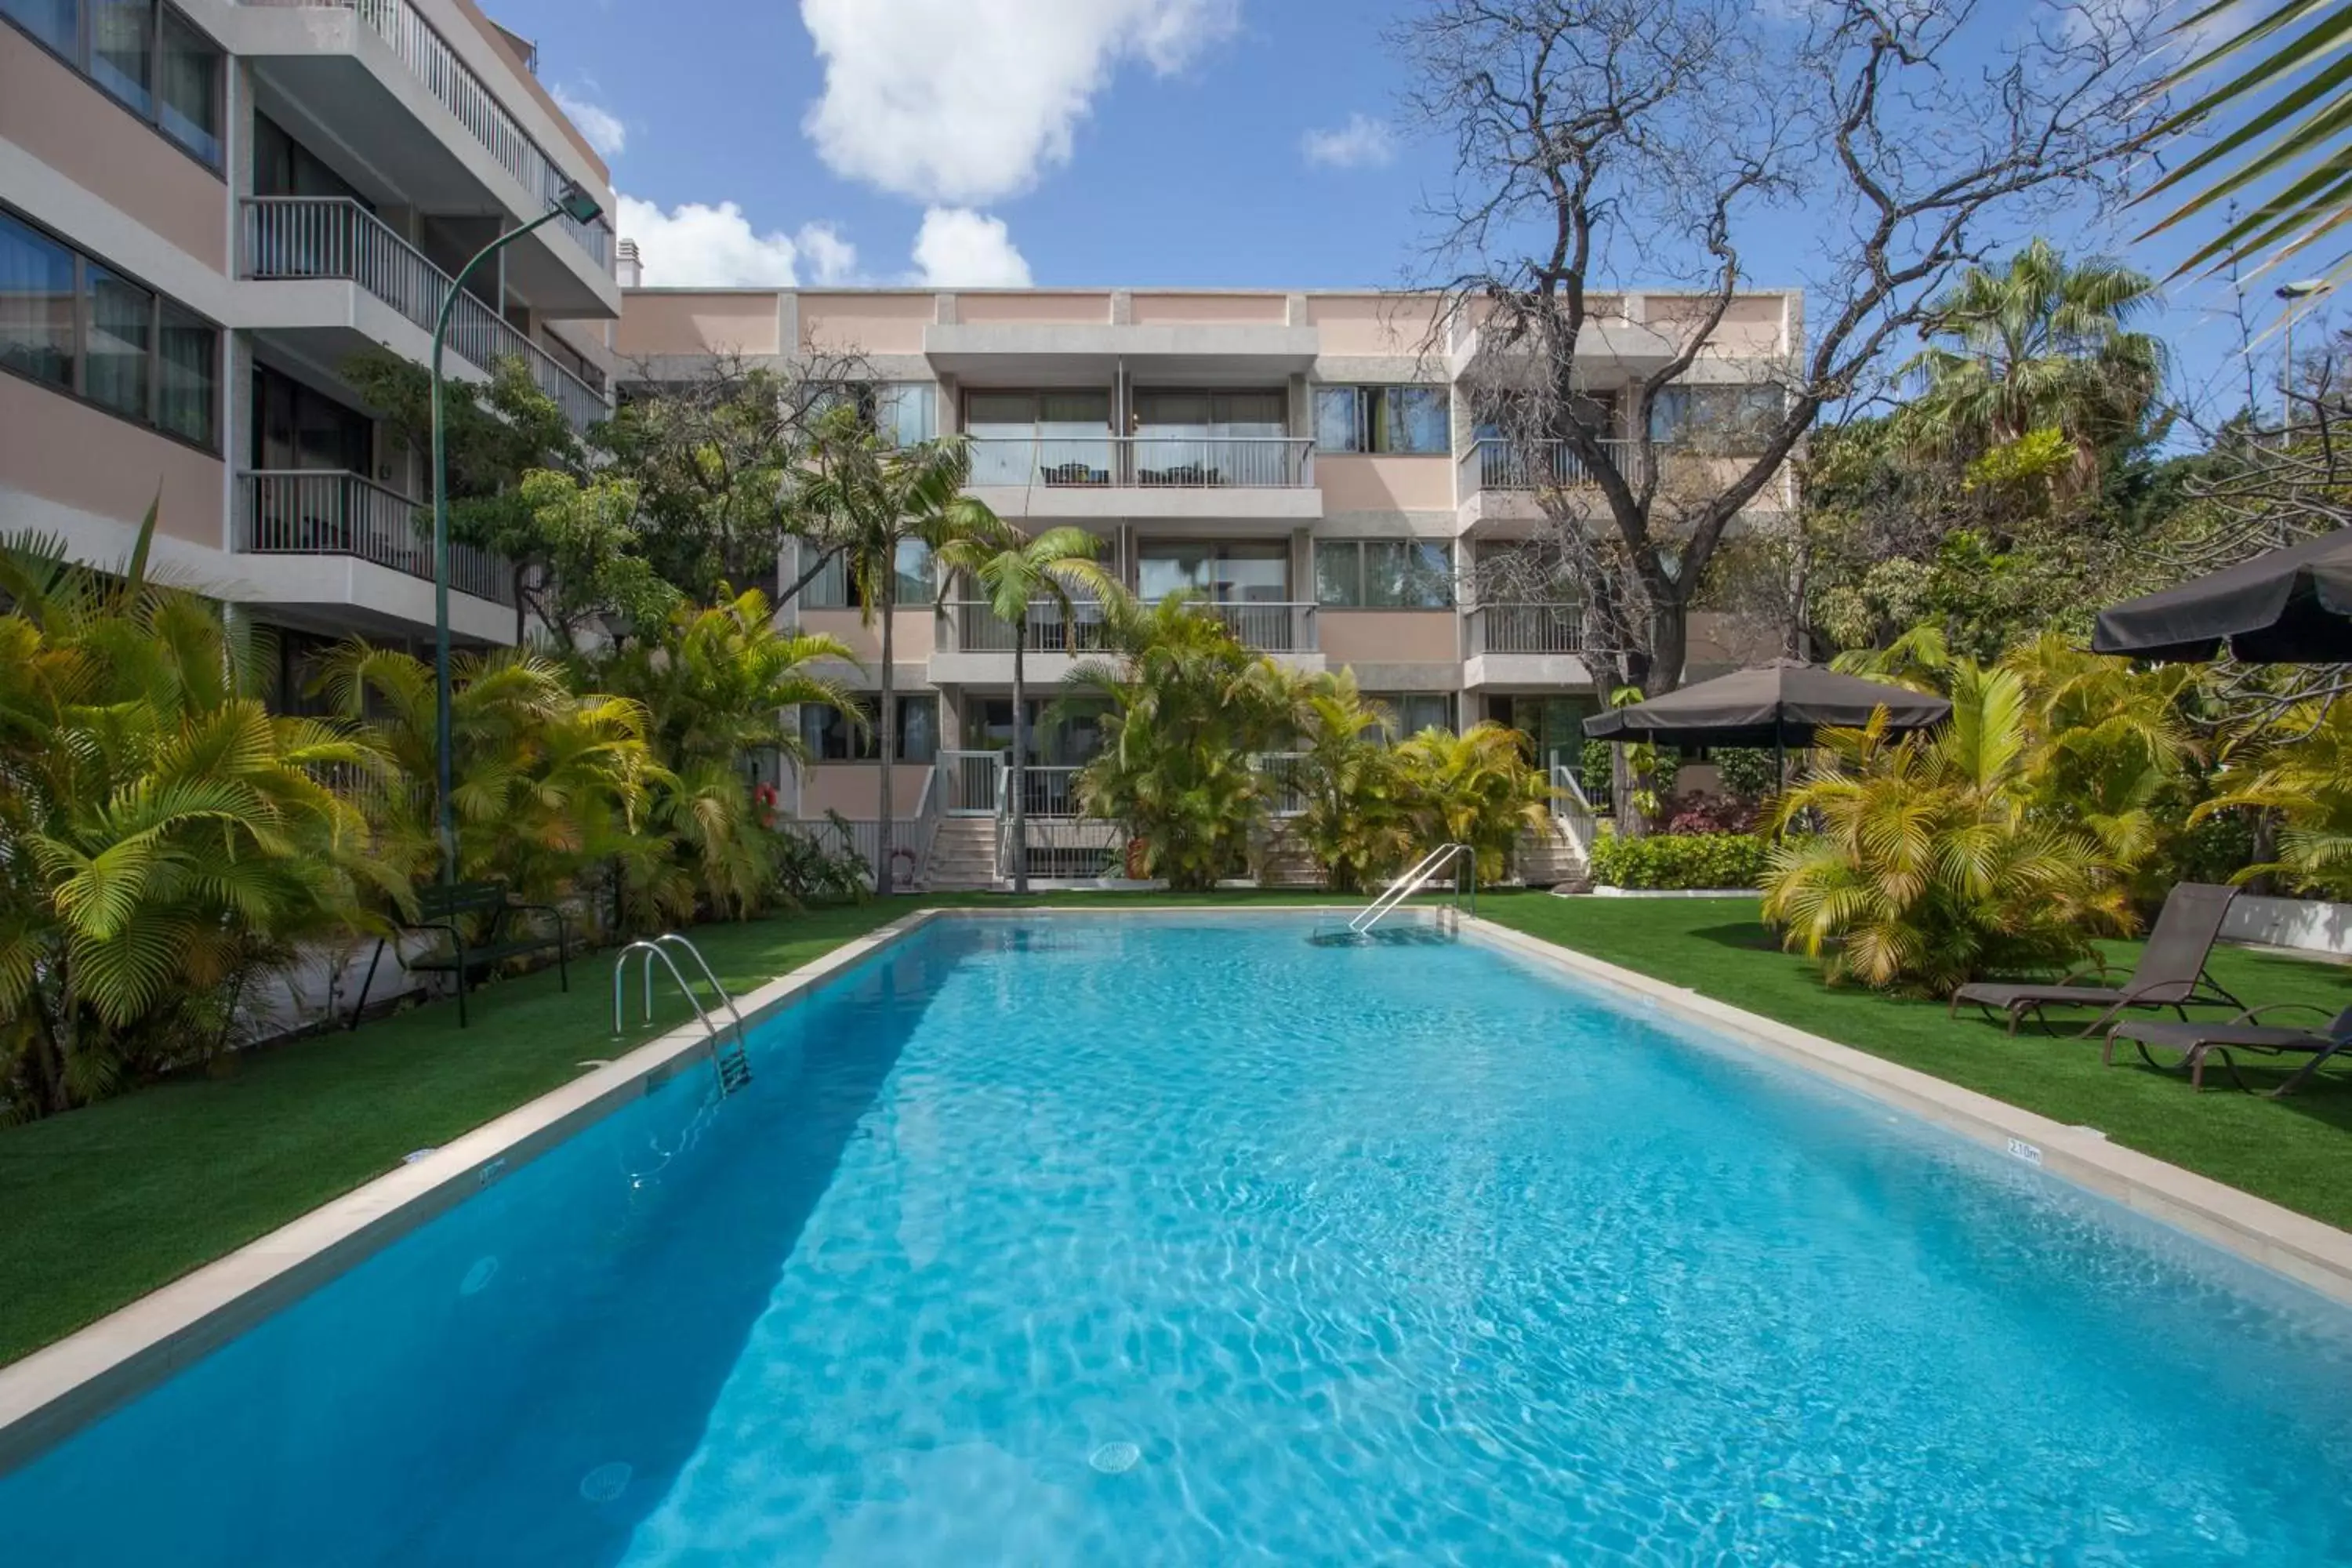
289 184
1306 460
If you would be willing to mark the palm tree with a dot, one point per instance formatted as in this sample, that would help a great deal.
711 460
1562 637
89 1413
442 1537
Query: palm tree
1017 576
864 496
1479 788
715 683
2039 345
2301 80
1352 785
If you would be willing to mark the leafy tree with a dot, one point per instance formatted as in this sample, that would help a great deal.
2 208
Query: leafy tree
2298 767
714 684
865 496
1355 799
1187 708
547 782
1016 575
162 834
1479 788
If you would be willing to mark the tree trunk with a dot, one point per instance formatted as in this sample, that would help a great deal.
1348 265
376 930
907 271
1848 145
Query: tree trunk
883 881
1019 774
1669 646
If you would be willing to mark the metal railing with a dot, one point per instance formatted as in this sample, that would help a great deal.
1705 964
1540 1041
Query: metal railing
1145 462
1285 794
1493 464
291 511
334 236
1046 790
1268 628
429 58
1571 813
861 836
971 781
1461 857
1527 629
974 628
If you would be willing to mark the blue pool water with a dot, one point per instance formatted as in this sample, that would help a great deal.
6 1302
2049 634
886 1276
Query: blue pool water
1106 1240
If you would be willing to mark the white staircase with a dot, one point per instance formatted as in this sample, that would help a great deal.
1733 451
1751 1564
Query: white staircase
1551 859
963 856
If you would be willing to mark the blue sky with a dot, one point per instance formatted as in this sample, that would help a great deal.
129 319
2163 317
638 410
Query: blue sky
1217 142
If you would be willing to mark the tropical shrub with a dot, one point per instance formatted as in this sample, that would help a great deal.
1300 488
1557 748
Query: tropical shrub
163 836
1681 861
812 868
1931 864
713 684
547 782
1748 773
1186 709
1356 793
1480 787
2302 771
1701 813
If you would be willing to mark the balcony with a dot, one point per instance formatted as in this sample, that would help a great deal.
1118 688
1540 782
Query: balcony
1525 645
335 238
1269 478
439 68
329 512
972 626
1497 465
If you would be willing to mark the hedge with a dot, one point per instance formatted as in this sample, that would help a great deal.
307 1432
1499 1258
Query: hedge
1669 860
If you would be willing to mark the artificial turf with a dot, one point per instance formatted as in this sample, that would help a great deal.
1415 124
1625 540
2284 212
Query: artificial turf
103 1204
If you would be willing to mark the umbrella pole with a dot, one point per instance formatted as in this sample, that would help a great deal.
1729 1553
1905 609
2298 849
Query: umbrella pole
1780 779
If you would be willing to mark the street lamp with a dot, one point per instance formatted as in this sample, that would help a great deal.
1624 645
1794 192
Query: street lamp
580 207
2293 294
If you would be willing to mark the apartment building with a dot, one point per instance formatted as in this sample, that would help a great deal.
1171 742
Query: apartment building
1308 462
207 208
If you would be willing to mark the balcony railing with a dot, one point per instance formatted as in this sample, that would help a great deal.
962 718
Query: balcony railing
974 628
334 236
433 62
290 511
1285 794
1144 462
1268 628
1498 465
1527 629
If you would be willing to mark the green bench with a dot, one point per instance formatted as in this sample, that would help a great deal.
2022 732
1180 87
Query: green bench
447 908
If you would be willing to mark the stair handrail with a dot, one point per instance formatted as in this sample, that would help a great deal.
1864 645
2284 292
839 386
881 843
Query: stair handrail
1579 820
669 937
653 949
1420 875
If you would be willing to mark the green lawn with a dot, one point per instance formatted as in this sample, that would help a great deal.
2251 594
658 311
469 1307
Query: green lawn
104 1205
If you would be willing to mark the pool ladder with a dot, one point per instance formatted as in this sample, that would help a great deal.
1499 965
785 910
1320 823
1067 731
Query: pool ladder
1465 881
729 1057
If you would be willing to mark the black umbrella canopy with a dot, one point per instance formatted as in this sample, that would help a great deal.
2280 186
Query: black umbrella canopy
1780 704
2288 606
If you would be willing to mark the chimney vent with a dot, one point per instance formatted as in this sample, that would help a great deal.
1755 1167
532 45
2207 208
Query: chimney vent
630 269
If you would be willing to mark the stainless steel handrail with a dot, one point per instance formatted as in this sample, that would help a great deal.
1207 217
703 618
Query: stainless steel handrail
733 1069
1421 874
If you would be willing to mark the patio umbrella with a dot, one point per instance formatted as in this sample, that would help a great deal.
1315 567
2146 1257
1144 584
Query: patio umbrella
2288 606
1780 704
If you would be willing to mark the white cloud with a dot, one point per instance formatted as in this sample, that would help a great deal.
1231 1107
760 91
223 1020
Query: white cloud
1362 143
970 101
694 245
831 259
957 248
600 125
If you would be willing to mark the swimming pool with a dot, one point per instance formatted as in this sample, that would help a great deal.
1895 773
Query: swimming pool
1103 1239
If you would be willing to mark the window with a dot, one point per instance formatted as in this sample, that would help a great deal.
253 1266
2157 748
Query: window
145 55
1226 573
1733 420
1072 737
37 305
284 167
1211 414
83 327
833 589
1039 437
830 737
1414 420
1384 573
1416 710
295 427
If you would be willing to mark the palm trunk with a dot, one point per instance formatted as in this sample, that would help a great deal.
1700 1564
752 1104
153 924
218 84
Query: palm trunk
1020 759
883 879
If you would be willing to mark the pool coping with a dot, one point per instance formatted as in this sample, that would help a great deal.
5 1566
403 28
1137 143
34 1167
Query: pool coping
2311 1252
56 1391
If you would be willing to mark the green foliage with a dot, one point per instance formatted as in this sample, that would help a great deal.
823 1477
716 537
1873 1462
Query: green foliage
815 867
1942 856
714 684
1187 708
1681 861
1356 793
1480 787
2301 769
1747 773
163 836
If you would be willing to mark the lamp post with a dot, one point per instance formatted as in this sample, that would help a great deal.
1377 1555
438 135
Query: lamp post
2293 294
580 207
